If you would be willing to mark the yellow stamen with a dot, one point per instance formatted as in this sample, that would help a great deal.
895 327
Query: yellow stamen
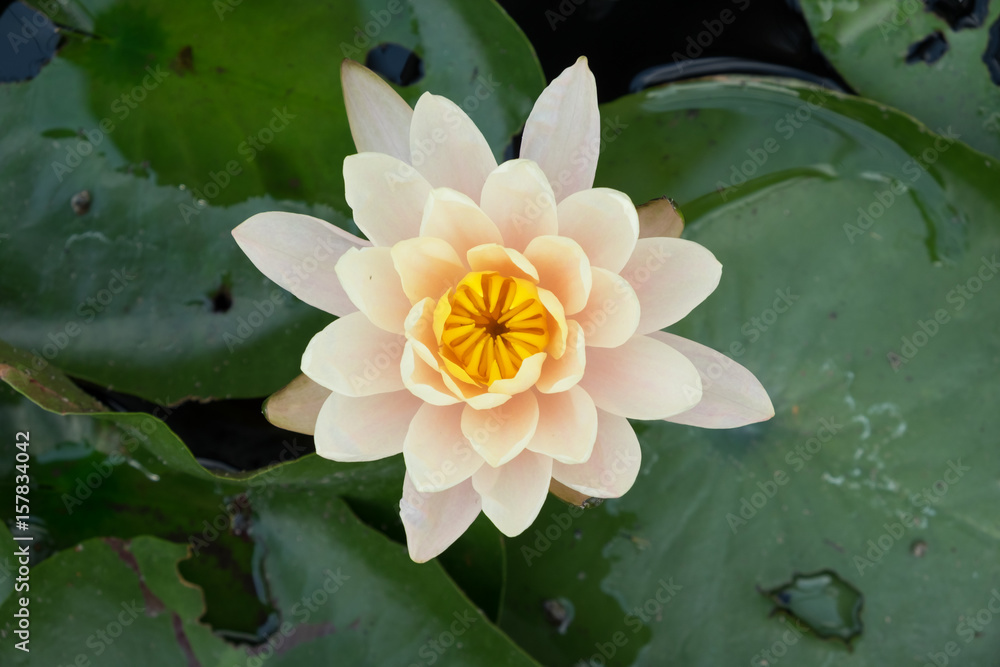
489 324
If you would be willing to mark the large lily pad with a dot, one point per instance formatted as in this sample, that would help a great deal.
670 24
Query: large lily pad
137 284
880 464
944 67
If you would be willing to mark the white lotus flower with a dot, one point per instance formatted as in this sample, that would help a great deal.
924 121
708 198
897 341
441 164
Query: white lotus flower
502 322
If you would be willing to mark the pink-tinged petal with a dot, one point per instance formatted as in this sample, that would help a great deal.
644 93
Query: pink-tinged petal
660 217
567 426
298 253
450 215
378 116
296 406
612 313
386 195
642 379
505 261
519 199
353 357
563 131
448 148
513 494
604 222
525 378
370 280
731 395
428 267
563 269
500 434
423 380
433 521
366 428
437 454
612 467
558 327
566 371
670 277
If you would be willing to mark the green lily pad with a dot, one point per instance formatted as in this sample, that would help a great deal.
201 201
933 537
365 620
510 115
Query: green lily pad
932 66
883 376
123 476
143 289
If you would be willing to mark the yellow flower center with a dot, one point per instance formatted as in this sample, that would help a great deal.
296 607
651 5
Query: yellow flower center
488 325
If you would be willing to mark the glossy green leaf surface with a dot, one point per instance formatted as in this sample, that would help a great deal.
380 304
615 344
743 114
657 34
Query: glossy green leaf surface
138 285
880 463
915 60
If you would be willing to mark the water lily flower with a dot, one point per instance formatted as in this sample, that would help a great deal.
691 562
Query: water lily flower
502 322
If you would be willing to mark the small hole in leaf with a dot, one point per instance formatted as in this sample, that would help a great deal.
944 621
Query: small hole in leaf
928 50
396 63
960 13
992 55
222 299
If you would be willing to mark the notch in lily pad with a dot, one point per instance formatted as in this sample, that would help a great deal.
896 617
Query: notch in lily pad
960 13
823 601
396 63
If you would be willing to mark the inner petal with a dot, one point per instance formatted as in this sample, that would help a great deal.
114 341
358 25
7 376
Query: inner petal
489 324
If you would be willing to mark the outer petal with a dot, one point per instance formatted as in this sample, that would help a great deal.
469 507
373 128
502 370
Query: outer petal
563 269
660 217
513 494
370 280
612 313
379 117
519 199
437 454
509 262
731 395
353 357
612 467
366 428
433 521
450 215
642 379
299 252
448 148
427 267
386 195
605 224
296 406
562 373
563 131
567 426
500 434
670 277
